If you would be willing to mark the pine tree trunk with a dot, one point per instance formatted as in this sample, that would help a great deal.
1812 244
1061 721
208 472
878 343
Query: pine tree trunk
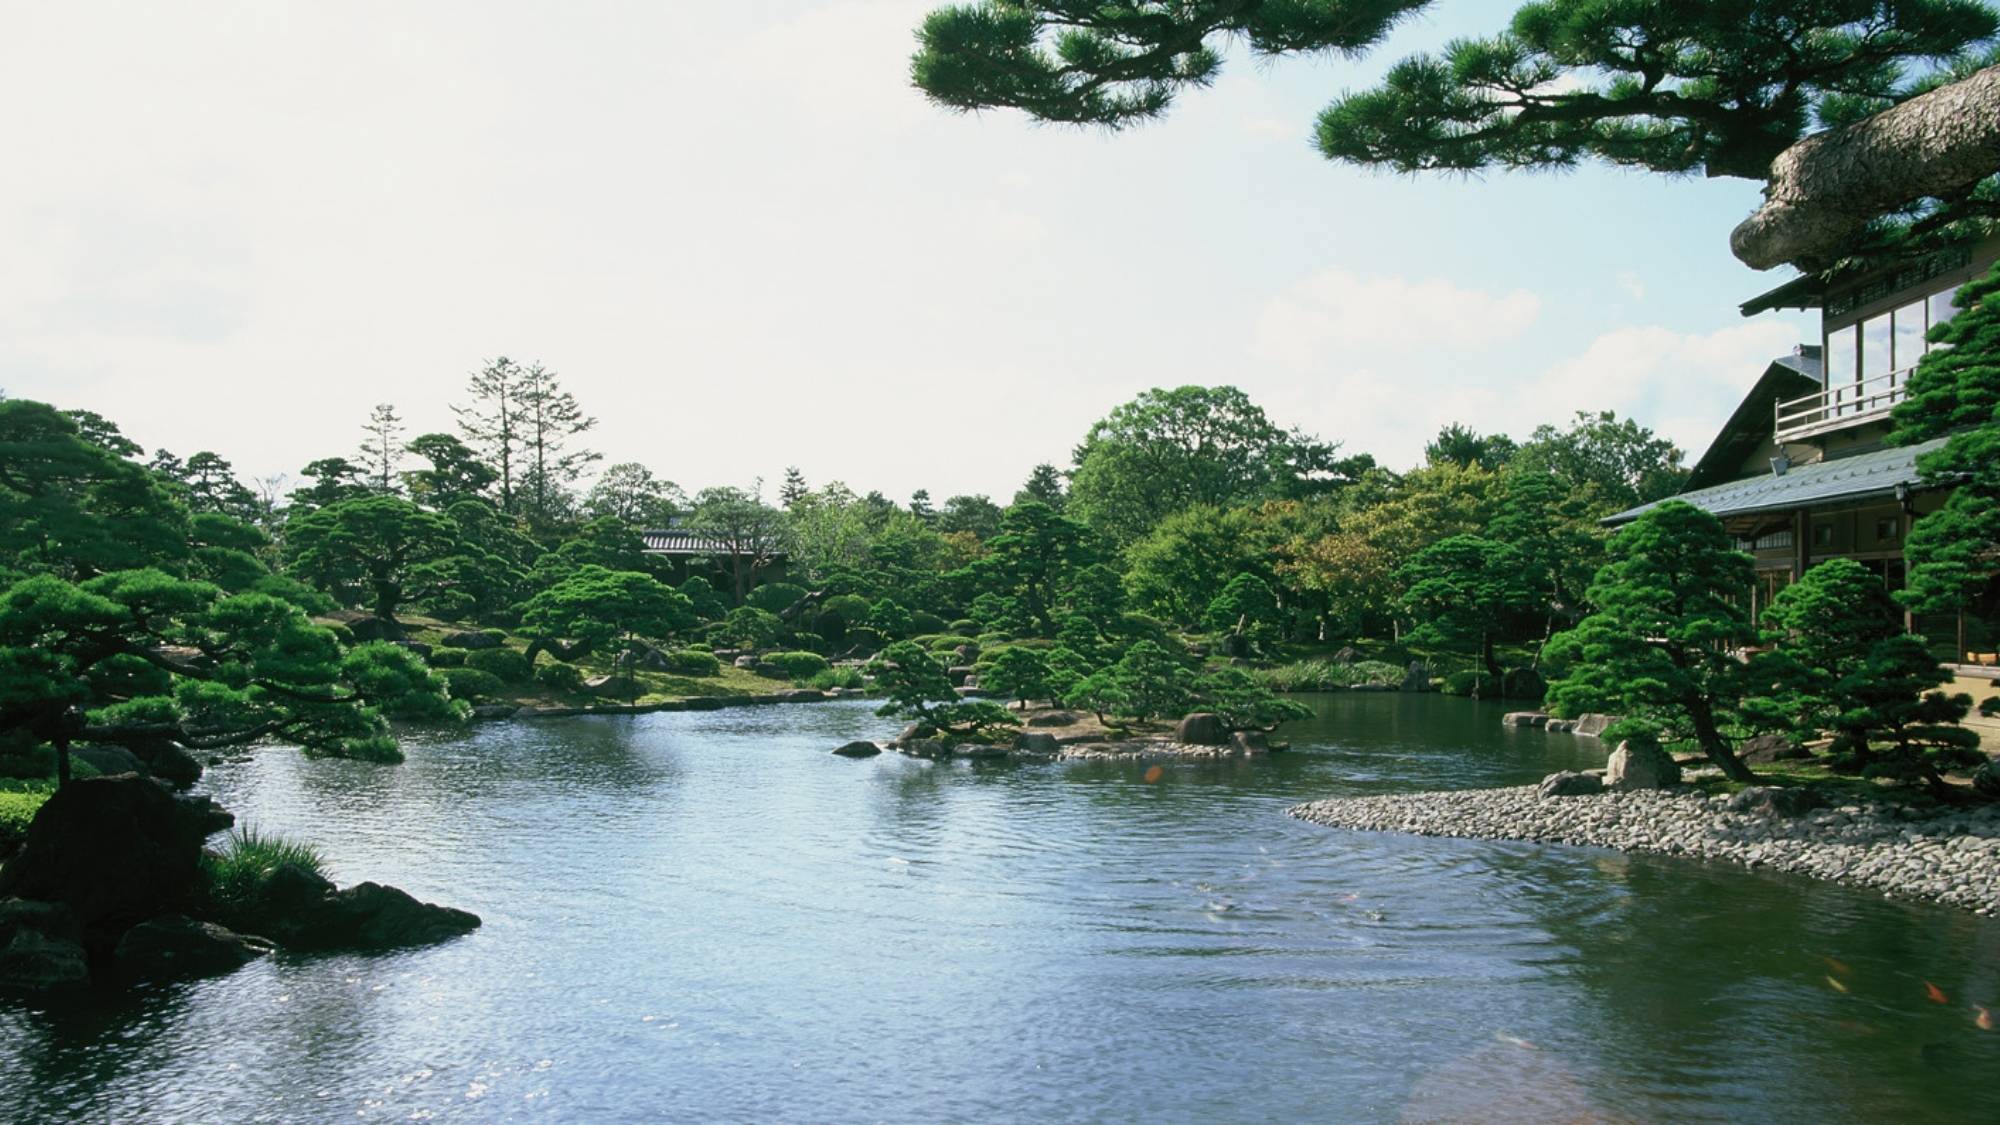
1825 189
1710 740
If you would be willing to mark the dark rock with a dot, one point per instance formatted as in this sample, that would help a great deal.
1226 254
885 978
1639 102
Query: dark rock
925 747
916 731
109 759
418 647
37 964
1639 764
1771 800
491 711
1346 655
1235 645
1036 742
965 654
978 750
473 639
972 691
802 695
1417 677
747 660
370 916
368 627
291 889
1053 719
116 850
1986 780
960 673
209 817
858 750
1767 748
165 760
1569 783
176 947
1202 729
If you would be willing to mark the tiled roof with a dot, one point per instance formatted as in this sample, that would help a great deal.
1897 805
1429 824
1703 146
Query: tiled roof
1858 477
681 543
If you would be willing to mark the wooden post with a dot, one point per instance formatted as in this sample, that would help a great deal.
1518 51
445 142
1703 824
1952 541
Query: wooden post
1801 543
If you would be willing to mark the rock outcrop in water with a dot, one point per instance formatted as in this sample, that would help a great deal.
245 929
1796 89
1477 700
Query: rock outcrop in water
109 888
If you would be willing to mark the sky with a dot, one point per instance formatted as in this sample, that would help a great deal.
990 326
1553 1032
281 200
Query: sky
745 242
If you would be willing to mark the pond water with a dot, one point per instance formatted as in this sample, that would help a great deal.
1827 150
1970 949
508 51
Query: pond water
708 916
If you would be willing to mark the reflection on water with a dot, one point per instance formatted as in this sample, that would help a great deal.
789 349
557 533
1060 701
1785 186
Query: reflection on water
707 914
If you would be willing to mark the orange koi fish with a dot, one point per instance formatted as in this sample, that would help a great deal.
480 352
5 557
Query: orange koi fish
1155 774
1984 1020
1837 986
1840 967
1935 994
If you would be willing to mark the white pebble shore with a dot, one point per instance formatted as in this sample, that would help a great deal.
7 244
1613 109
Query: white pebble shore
1951 857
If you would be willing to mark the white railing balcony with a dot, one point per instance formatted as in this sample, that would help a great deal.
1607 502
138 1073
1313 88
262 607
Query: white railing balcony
1841 405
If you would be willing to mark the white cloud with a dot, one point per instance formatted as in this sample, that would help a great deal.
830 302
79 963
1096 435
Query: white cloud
1684 385
1338 313
1632 284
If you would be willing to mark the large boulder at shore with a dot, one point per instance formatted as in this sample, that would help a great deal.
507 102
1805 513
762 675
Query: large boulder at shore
858 750
299 909
472 639
110 759
176 947
41 948
915 732
1524 719
166 760
1592 725
1569 783
115 850
1417 677
1640 764
1053 719
1202 728
1037 742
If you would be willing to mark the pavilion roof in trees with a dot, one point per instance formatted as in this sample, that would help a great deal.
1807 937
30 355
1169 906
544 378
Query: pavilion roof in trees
684 543
1839 480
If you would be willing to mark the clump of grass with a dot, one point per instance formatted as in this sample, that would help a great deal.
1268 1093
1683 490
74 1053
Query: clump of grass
18 806
1315 675
837 678
234 878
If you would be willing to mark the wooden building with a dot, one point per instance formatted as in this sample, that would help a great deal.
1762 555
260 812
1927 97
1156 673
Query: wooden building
1801 472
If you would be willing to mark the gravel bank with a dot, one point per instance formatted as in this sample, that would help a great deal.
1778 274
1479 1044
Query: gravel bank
1951 857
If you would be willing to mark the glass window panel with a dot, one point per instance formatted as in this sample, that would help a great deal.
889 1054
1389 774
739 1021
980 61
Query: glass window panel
1840 365
1875 346
1941 307
1909 336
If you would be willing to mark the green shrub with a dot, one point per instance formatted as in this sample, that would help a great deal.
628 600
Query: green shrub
17 811
504 664
996 637
1523 683
691 662
447 658
1463 683
798 665
233 880
852 609
963 625
699 646
838 678
775 597
471 683
945 642
497 634
923 621
560 676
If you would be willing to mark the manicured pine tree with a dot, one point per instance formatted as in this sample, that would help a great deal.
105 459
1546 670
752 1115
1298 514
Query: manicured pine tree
1822 628
1659 647
1889 699
1019 672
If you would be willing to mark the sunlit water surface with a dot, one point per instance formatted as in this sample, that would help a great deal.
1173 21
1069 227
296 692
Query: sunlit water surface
707 915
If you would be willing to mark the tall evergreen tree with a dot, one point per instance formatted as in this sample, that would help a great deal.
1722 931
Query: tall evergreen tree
382 448
794 489
491 424
548 418
1044 485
